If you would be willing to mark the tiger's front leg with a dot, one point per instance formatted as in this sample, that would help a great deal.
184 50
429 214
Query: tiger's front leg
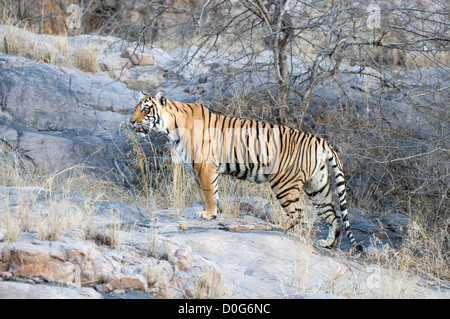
207 178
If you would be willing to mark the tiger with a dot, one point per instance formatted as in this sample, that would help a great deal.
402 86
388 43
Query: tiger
210 144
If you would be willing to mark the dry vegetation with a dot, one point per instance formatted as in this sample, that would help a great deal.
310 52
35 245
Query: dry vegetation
21 40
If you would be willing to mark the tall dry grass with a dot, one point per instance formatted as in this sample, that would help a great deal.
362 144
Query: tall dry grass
86 59
18 39
55 190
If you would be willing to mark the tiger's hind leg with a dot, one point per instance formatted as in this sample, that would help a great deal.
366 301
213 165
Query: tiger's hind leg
319 189
291 219
290 201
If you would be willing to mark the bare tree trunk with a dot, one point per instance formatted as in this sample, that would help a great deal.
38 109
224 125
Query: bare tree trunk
278 34
279 46
283 81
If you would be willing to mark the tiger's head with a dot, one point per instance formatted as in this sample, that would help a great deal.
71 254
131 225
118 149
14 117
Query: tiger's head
147 115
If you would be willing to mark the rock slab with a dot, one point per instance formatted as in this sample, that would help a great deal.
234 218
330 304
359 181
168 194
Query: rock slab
59 117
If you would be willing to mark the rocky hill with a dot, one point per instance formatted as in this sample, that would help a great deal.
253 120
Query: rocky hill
57 116
135 252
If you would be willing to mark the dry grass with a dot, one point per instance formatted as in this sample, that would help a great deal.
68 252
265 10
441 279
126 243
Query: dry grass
23 43
18 39
423 250
49 220
11 226
387 174
203 285
112 235
86 59
60 43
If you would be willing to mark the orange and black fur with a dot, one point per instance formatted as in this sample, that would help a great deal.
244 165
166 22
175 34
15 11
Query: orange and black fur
210 144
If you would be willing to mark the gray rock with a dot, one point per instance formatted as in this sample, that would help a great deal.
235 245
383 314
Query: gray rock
397 222
149 262
59 117
19 290
226 257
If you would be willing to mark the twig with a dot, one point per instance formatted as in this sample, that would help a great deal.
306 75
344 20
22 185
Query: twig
121 172
408 157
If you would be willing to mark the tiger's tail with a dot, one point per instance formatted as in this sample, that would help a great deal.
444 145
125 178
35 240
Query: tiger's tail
342 194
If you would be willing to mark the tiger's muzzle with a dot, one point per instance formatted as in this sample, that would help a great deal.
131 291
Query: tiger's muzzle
140 129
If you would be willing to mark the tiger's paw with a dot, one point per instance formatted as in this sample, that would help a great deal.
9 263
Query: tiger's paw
324 243
205 215
289 222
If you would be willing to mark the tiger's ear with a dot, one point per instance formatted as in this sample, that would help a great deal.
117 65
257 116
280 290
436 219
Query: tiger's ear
145 94
160 96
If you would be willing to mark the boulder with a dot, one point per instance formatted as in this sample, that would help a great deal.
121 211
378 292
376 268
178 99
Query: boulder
58 150
19 290
138 58
243 257
114 63
74 263
147 262
10 137
60 117
80 263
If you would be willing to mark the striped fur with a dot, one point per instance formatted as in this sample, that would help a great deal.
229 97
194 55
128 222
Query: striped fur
210 144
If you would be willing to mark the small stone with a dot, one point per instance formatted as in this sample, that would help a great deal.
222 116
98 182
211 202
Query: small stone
109 287
136 282
184 258
6 275
120 291
142 59
138 58
100 287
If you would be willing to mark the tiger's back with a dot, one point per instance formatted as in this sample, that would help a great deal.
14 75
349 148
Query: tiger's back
249 150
